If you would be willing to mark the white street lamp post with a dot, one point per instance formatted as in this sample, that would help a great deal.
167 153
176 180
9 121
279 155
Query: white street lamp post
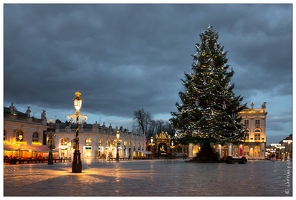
117 144
50 142
77 165
152 144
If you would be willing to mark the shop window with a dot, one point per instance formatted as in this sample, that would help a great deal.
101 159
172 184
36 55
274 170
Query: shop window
64 153
256 151
195 149
246 151
235 151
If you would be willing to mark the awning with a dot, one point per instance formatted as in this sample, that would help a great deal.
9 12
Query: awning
10 147
17 147
41 148
24 147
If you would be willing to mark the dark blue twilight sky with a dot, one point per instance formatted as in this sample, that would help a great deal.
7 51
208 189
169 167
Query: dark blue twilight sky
125 57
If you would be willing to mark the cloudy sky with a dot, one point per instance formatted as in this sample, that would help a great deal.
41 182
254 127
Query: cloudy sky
125 57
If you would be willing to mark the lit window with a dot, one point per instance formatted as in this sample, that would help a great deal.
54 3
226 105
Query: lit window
257 134
246 151
87 142
256 151
19 135
247 136
100 142
64 141
35 137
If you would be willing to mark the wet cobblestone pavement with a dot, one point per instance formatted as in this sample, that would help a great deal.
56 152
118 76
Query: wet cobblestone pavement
149 178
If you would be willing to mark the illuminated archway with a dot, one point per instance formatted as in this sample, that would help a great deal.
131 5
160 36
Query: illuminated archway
246 151
257 151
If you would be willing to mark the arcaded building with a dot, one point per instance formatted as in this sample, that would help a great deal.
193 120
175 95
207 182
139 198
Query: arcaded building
99 142
23 135
27 137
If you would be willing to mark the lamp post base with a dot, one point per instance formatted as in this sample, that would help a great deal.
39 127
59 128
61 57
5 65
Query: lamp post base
50 158
117 157
76 165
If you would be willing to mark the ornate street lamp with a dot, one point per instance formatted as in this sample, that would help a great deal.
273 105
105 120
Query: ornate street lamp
77 165
50 142
151 145
117 144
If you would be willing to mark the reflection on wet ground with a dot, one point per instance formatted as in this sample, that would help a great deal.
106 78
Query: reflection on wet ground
150 178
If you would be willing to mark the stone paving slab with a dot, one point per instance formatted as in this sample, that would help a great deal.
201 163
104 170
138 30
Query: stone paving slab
148 178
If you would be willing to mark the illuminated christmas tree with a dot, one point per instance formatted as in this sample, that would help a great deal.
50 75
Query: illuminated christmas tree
209 109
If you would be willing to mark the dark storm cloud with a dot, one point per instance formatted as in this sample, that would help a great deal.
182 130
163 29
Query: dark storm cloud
123 57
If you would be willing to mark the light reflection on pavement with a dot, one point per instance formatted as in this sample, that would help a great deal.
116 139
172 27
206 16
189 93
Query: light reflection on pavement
147 178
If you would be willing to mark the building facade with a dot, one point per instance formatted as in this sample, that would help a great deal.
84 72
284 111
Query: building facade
287 143
253 147
282 150
254 119
23 136
27 137
99 142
